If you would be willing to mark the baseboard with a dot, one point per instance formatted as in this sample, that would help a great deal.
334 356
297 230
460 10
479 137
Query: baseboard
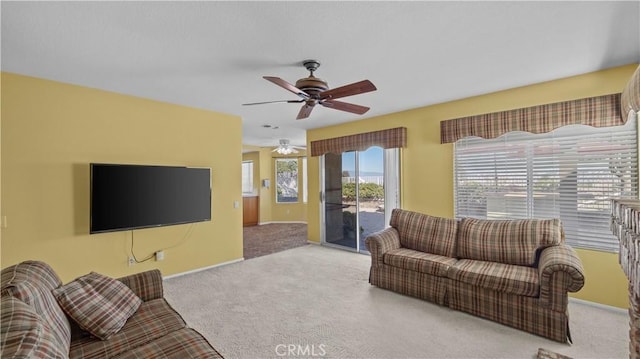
599 305
281 222
203 268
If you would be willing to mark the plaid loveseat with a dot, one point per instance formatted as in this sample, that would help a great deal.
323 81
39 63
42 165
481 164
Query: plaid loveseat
515 272
33 325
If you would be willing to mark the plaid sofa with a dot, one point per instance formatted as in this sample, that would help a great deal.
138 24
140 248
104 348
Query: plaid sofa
514 272
33 325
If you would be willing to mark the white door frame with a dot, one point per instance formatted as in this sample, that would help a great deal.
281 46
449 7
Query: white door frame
392 190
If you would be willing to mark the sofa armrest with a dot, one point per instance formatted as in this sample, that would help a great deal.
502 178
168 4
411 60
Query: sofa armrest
560 271
381 242
146 285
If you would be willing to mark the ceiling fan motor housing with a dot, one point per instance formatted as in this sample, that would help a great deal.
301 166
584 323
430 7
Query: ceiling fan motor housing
312 85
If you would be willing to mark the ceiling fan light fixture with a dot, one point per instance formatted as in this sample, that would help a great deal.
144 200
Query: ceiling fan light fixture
285 148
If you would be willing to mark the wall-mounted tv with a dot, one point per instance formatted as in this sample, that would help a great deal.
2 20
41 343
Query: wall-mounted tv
126 197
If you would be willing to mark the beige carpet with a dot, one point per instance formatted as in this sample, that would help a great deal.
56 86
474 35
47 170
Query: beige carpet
315 301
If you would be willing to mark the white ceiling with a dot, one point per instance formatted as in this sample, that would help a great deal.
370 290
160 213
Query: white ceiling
212 55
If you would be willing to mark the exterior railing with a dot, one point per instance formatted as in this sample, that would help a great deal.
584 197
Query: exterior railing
379 180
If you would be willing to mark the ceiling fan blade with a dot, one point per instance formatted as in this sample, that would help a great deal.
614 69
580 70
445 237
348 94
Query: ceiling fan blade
305 111
287 86
345 106
262 103
348 90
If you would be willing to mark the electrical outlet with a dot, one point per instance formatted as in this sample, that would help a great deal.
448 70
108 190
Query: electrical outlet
132 261
159 255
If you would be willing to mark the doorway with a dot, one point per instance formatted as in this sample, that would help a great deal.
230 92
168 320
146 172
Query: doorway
360 188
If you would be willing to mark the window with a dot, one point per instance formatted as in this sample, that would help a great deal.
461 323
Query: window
570 173
247 177
305 191
286 180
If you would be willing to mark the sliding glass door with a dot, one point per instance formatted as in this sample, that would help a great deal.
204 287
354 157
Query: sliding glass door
340 210
360 188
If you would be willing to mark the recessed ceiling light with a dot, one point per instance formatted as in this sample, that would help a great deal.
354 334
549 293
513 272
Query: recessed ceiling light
266 126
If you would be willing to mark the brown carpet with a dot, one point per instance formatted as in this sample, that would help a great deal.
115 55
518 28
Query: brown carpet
272 238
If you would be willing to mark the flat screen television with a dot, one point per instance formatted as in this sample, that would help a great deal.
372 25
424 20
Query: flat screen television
126 197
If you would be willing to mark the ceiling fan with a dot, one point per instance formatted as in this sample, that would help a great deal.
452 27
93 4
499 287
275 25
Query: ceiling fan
285 148
314 91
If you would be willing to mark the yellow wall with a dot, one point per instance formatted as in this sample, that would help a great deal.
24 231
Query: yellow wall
427 165
605 280
51 132
266 194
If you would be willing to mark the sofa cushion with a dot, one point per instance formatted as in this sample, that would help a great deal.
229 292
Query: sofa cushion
507 278
152 320
99 304
184 343
419 261
507 241
31 282
425 233
24 334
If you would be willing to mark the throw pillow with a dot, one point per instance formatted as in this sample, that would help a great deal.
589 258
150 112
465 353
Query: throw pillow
99 304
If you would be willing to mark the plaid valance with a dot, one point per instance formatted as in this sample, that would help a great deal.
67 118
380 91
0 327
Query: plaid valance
630 99
391 138
599 111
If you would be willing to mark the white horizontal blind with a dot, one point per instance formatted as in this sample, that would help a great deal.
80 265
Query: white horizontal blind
247 177
570 173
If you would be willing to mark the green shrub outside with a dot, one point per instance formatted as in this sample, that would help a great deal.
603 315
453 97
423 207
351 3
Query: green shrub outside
368 191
